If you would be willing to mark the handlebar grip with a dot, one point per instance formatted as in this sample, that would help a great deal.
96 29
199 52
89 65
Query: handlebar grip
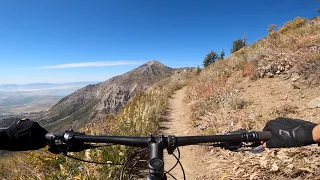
264 135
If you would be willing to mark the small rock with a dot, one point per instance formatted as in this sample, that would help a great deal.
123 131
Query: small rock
295 77
289 160
290 166
252 116
240 171
254 176
274 167
314 103
295 86
268 67
202 126
287 67
264 162
261 74
269 75
279 67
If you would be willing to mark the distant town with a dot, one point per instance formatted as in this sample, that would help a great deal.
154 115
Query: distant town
28 100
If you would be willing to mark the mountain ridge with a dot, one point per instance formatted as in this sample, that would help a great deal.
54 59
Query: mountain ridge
95 101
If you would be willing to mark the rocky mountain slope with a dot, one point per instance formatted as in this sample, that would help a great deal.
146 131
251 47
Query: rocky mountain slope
96 101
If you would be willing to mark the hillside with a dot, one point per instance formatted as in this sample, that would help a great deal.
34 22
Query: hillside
278 76
96 101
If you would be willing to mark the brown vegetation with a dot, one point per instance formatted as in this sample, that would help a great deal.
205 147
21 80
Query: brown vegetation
276 76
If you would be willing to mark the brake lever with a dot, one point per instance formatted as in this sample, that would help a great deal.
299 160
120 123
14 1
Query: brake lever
228 145
64 143
241 146
233 146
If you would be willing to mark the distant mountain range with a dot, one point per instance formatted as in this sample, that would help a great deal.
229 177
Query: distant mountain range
44 85
97 100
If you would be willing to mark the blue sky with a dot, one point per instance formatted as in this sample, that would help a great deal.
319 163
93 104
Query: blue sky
40 41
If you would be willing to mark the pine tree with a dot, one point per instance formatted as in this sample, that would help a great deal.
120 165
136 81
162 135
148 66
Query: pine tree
211 57
222 54
238 44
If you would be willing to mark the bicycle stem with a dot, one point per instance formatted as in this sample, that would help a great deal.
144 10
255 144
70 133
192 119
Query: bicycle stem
156 163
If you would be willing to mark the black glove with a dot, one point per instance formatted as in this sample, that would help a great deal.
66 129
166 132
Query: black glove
21 135
288 132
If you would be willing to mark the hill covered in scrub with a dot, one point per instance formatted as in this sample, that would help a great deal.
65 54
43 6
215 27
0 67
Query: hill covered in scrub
278 76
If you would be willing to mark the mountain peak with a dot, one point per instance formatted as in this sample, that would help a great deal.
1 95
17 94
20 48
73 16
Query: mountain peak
153 62
151 68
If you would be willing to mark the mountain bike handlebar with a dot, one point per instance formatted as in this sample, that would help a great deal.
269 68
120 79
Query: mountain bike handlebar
70 136
74 142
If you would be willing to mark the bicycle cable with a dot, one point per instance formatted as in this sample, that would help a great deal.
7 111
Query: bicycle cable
172 176
136 162
176 162
128 160
184 175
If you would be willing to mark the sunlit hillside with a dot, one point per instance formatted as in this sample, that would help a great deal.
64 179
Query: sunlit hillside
278 76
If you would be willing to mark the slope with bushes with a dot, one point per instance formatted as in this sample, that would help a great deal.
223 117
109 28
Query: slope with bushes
277 76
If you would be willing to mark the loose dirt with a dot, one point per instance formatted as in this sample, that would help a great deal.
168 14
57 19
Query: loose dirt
177 122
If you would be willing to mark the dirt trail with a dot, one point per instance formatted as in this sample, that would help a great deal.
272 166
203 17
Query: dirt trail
177 122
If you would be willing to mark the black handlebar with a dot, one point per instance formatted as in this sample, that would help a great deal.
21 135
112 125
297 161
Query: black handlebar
74 142
71 137
243 137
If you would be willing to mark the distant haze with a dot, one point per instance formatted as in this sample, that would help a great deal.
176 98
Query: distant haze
62 89
36 97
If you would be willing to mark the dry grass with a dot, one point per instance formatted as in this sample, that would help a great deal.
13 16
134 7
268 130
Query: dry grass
283 111
295 44
249 71
309 68
294 48
223 97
